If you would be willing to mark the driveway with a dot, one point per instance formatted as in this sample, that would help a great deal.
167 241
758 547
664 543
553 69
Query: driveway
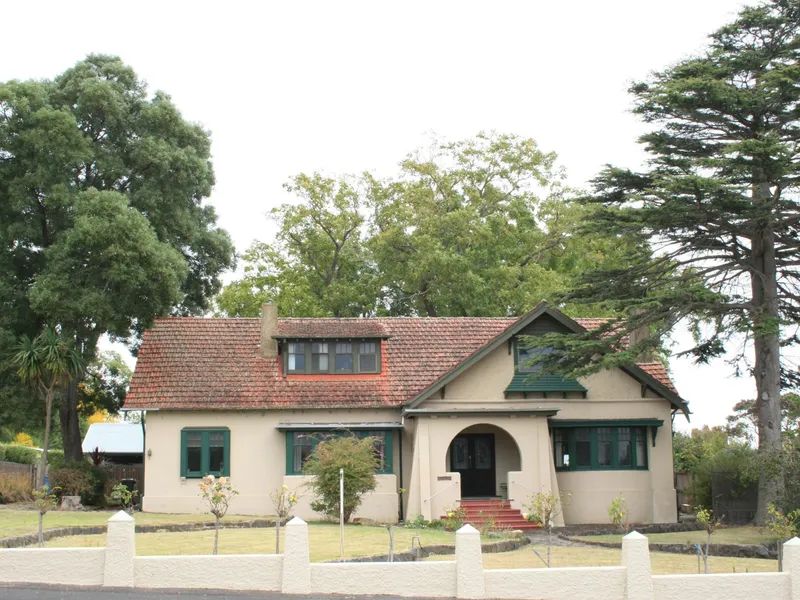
14 592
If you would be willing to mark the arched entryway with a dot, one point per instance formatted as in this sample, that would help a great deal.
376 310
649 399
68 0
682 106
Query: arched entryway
483 455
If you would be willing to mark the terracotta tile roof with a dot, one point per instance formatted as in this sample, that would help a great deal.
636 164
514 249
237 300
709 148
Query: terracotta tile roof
197 363
658 371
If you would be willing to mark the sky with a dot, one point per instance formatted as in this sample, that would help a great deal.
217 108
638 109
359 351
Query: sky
346 87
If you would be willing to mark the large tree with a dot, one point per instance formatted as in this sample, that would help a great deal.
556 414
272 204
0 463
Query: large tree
719 206
476 227
102 220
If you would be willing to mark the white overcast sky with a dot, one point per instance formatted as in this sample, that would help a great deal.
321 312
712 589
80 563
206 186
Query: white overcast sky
344 87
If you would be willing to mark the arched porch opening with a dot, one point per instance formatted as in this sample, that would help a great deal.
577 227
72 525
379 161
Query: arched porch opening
483 455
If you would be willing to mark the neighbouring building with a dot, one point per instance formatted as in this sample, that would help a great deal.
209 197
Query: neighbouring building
455 411
119 443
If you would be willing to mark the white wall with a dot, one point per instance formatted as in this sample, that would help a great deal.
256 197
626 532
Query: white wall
67 566
228 571
589 583
430 580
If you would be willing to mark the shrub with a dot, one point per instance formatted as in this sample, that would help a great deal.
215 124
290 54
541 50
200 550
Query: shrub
618 513
454 518
217 495
23 439
19 454
80 479
356 457
15 487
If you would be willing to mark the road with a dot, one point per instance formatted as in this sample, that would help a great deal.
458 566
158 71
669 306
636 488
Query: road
24 592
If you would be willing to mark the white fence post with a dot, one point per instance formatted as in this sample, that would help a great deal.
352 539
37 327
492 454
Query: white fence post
120 551
469 563
791 564
296 577
638 573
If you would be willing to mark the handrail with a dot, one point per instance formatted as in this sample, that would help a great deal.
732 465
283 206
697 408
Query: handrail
440 491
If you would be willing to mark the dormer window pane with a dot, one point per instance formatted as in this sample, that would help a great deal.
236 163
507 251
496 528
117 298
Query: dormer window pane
319 358
344 357
297 357
368 357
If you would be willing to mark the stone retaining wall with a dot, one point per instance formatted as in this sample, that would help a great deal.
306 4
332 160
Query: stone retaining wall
437 550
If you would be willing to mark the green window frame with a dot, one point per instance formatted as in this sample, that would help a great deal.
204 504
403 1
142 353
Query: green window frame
325 356
600 448
205 452
300 444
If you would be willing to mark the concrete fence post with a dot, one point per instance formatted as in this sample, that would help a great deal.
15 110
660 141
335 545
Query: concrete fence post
296 577
791 565
638 573
469 563
120 551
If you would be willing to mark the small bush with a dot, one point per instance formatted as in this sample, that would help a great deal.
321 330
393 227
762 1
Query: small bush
19 454
454 518
15 487
80 479
23 439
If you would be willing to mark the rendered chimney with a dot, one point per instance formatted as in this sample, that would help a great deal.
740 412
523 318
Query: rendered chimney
269 329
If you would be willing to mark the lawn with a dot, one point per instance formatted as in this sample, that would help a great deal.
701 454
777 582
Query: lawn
727 535
15 522
360 540
662 562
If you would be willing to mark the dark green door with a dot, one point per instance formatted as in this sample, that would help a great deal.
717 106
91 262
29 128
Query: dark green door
472 455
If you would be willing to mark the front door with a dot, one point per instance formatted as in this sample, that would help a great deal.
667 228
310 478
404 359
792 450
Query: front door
472 455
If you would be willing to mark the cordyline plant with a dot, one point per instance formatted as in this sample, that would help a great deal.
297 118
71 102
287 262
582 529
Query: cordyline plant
44 501
283 500
217 494
356 457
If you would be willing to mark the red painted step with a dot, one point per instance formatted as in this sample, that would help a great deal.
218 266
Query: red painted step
479 512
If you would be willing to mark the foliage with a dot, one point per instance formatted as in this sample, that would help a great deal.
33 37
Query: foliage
353 455
23 439
217 495
44 501
283 501
105 227
743 423
120 494
783 527
618 513
102 392
470 228
710 523
543 509
46 362
454 518
80 479
19 454
15 487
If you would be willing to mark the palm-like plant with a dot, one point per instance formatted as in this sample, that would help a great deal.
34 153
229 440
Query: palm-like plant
46 362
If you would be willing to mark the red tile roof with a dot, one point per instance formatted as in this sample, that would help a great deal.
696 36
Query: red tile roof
196 363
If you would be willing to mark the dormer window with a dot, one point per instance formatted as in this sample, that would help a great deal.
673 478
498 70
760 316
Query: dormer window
526 355
332 356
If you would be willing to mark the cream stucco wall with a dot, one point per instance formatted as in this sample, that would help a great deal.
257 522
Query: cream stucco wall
258 459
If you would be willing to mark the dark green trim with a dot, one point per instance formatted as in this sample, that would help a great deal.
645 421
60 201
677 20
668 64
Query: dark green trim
355 342
543 308
639 432
205 455
606 423
335 426
534 381
388 440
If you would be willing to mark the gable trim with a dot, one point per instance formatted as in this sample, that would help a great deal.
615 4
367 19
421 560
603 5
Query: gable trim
541 309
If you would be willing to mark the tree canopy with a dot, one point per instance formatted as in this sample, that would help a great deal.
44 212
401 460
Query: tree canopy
478 227
102 219
718 206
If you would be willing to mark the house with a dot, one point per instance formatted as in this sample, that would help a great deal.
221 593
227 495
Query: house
454 414
120 443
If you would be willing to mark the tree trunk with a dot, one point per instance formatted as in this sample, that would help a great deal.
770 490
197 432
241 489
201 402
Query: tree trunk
766 342
70 425
278 535
41 533
705 555
549 544
216 534
48 411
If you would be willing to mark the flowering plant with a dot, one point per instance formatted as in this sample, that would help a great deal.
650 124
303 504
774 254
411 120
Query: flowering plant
217 495
283 501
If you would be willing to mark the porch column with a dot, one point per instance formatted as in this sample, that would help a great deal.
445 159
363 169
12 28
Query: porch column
419 486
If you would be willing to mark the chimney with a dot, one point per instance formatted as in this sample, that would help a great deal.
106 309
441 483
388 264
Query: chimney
269 329
640 335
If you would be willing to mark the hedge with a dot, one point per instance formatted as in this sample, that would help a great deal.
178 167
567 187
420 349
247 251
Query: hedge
28 456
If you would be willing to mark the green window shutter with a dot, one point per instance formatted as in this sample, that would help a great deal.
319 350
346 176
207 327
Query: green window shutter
226 460
184 454
290 453
389 467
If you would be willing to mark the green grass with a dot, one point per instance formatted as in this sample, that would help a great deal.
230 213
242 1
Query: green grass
360 540
727 535
662 562
15 522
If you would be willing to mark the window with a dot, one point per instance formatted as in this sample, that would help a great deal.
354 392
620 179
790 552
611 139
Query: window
597 448
319 358
297 357
526 355
300 445
344 357
332 356
368 357
205 452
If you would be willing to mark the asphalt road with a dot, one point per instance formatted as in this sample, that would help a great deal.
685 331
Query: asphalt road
13 592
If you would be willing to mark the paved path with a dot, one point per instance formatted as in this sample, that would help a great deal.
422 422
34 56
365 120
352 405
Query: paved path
13 592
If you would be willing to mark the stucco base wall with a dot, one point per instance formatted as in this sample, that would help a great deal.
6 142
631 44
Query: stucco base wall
230 571
67 566
429 579
382 504
255 505
732 586
590 583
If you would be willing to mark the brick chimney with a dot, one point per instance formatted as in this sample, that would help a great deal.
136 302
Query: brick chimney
269 329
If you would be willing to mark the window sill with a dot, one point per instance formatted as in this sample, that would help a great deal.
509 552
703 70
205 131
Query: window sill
600 469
